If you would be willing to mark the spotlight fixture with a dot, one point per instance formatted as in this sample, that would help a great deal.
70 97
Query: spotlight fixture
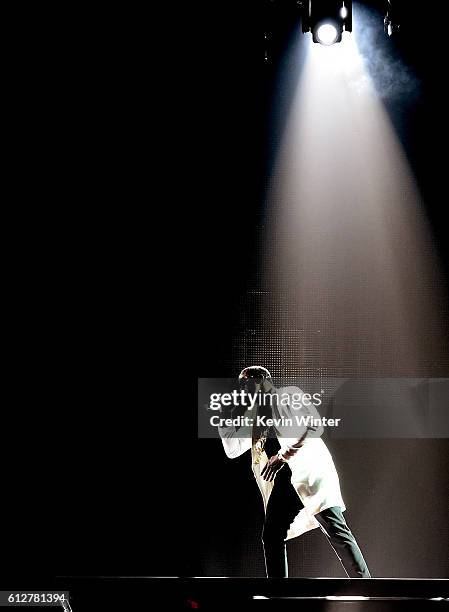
327 34
326 19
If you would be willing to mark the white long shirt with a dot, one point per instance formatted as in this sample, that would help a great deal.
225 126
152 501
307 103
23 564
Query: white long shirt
314 476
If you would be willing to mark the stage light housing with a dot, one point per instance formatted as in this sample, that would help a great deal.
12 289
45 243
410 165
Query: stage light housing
326 19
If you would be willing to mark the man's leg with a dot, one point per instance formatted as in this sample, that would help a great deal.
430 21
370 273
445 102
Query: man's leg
334 526
283 505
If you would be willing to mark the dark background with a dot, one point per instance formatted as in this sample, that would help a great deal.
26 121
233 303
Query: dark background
139 152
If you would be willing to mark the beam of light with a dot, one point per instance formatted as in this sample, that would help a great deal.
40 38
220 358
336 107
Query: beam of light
327 34
350 284
343 12
353 281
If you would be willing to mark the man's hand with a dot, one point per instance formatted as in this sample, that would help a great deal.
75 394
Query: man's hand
272 468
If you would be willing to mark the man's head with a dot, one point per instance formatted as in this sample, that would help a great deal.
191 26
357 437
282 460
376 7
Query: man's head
255 378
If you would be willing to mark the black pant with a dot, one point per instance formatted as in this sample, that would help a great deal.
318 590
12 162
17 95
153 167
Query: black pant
283 505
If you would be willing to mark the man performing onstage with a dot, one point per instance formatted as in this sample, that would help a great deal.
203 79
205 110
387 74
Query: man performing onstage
295 474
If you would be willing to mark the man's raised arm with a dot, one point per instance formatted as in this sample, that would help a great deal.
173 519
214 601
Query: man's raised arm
236 441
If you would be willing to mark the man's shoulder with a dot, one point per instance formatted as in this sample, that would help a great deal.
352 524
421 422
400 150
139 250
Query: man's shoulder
290 390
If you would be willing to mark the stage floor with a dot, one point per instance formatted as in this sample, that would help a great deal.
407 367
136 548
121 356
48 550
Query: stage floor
173 593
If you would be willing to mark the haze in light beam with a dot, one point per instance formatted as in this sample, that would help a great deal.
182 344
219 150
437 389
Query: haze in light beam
349 255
